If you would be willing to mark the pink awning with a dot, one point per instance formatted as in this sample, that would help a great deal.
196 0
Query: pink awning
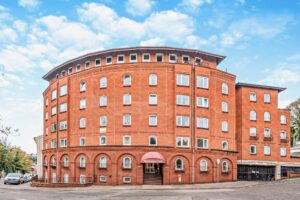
152 157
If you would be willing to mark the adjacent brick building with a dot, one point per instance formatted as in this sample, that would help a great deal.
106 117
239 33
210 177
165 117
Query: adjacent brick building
149 115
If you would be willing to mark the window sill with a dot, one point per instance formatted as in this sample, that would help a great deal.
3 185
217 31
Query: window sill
102 168
183 147
203 128
82 91
204 171
179 170
224 111
152 85
182 126
225 131
225 172
124 125
202 88
203 107
128 169
152 104
182 105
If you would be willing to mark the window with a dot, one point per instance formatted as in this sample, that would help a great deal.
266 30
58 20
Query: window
82 179
102 140
185 59
78 68
63 143
253 131
66 161
102 178
202 143
224 88
252 115
267 117
203 166
109 60
127 162
152 120
224 126
182 79
267 98
202 122
82 141
182 100
46 102
87 65
127 120
46 131
103 82
120 59
172 58
103 120
82 122
46 116
70 70
53 110
53 177
102 162
127 99
82 104
97 62
252 149
252 96
179 164
152 140
63 107
202 82
126 179
224 106
127 80
152 79
82 161
183 141
146 57
152 99
267 133
159 57
282 135
46 146
224 145
63 125
267 150
66 178
282 119
198 61
182 121
103 101
82 86
63 90
282 151
133 58
53 143
126 140
202 102
53 128
53 95
224 166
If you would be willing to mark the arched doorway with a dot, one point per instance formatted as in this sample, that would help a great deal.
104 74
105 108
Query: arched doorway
153 168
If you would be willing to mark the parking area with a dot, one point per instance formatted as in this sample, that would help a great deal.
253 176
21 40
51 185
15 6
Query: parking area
286 189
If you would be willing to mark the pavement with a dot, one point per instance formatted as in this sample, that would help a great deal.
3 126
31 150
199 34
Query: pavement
276 190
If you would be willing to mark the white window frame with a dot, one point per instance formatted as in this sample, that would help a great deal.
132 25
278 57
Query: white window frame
182 100
78 68
127 140
202 102
126 179
53 143
108 63
203 165
267 116
126 99
103 101
66 178
283 135
82 122
70 70
198 59
283 151
63 90
103 82
82 104
102 179
267 150
119 56
150 137
250 149
172 61
63 142
252 115
136 57
125 166
267 98
252 97
253 131
225 166
227 145
146 60
63 107
53 110
225 126
267 132
152 79
282 119
181 140
162 57
87 65
127 117
103 120
182 121
225 89
202 122
53 95
204 142
82 86
181 80
97 65
153 117
224 106
102 162
185 56
82 179
182 165
63 125
82 141
202 82
65 161
53 127
46 116
103 140
127 80
152 99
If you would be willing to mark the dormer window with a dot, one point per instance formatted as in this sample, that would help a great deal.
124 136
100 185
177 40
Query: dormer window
133 58
109 60
97 62
87 65
70 70
185 59
172 58
159 57
78 68
120 59
146 57
198 61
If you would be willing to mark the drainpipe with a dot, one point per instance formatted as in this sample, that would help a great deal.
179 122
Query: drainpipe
57 128
193 122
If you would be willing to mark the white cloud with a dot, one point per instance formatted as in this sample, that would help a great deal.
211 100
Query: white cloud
284 103
157 41
139 7
9 79
281 76
295 57
193 6
20 26
8 35
29 4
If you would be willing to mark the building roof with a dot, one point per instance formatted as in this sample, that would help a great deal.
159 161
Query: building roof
218 58
279 89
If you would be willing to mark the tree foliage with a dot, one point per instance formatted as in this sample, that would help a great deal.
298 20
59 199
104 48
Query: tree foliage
295 120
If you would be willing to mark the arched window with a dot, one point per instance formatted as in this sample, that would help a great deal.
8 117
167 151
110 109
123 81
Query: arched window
224 166
224 145
103 82
126 99
53 161
224 88
267 117
224 106
66 161
82 86
252 115
127 80
82 161
282 119
203 165
102 162
152 79
127 162
179 164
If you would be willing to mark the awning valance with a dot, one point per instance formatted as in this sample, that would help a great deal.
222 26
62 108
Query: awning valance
153 157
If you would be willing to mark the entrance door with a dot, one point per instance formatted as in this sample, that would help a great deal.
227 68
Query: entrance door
151 168
153 173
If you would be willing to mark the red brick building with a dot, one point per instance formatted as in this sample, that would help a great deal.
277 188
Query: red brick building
148 115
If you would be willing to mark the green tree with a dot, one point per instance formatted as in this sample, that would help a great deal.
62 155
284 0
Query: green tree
295 121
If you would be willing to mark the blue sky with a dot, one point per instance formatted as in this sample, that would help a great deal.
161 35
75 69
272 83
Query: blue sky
261 40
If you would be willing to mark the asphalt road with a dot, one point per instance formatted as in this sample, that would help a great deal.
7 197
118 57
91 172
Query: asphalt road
282 190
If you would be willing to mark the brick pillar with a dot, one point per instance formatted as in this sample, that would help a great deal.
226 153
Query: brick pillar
166 174
115 175
140 175
278 172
